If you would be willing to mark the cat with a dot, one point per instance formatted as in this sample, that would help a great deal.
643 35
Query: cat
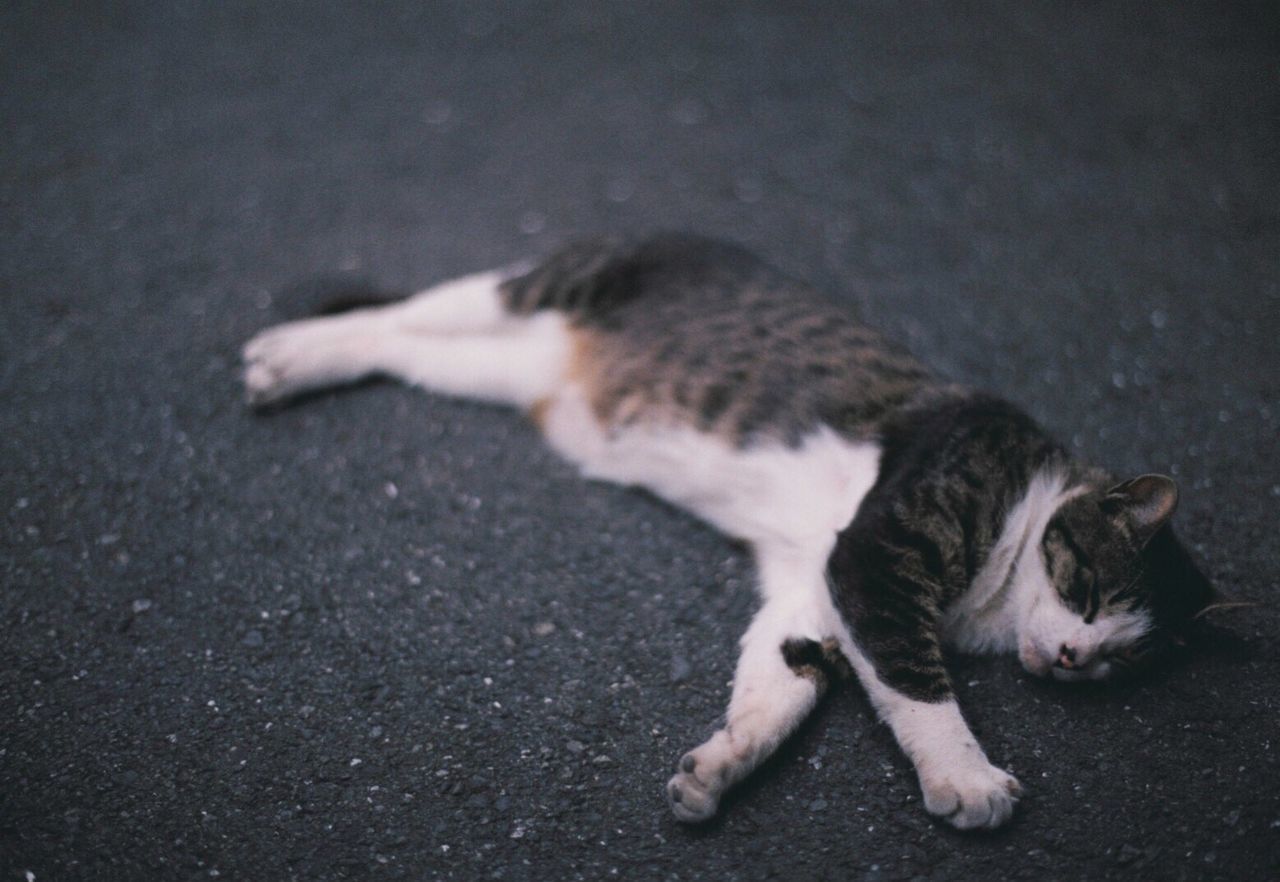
889 513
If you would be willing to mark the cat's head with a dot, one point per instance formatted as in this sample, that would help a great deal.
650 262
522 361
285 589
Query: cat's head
1118 589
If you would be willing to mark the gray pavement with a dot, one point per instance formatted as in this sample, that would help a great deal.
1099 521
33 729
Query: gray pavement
385 635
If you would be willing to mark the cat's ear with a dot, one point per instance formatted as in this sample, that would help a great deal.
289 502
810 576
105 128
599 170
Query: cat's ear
1144 504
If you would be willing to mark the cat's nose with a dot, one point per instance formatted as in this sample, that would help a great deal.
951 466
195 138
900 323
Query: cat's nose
1066 656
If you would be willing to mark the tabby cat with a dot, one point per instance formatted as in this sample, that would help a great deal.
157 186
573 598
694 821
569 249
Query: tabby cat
890 514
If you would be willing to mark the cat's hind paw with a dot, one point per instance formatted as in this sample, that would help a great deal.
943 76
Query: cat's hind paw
970 796
283 361
691 800
272 361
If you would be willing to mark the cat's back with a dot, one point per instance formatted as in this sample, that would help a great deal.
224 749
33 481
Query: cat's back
684 329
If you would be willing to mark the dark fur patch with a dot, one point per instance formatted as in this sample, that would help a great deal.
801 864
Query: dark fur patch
822 662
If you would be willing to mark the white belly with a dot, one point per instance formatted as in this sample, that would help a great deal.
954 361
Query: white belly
766 494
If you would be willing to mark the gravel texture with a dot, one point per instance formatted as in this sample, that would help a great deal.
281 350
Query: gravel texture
385 635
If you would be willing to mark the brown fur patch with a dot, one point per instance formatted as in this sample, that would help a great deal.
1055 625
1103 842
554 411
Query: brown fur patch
579 371
538 412
682 331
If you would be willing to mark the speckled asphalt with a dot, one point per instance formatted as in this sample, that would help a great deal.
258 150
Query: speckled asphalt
385 635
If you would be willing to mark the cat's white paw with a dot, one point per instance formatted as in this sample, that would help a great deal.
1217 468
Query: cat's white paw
971 794
694 791
285 360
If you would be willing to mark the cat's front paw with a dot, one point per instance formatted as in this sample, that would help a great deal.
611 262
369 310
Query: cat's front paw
692 798
971 794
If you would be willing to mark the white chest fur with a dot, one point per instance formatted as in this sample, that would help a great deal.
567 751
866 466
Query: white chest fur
985 618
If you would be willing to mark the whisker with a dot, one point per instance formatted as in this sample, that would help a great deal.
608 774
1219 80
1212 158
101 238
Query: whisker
1224 605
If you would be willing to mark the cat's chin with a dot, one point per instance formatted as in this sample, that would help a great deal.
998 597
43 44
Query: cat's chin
1038 664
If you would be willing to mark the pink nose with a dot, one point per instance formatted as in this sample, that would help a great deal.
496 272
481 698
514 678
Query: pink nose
1066 657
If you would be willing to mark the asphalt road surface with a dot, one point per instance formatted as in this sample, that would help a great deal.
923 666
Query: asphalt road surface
385 635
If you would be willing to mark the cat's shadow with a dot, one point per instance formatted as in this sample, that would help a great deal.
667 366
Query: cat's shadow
297 399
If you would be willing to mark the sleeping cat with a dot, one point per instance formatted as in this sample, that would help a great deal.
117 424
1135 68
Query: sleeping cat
889 513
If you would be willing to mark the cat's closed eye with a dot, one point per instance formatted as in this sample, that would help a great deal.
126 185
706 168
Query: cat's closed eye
1125 596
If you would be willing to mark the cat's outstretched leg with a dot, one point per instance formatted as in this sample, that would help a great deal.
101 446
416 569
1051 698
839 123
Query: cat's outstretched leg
789 654
455 339
466 305
898 660
959 783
